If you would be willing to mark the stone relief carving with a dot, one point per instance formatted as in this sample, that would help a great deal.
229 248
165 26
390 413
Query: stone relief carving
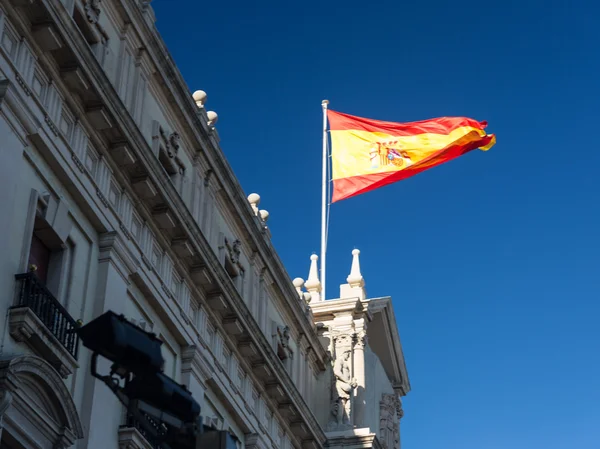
399 410
342 389
283 342
343 340
231 252
234 250
389 426
92 10
175 141
362 339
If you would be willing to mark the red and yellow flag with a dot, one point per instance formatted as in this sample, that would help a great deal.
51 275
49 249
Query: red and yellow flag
368 154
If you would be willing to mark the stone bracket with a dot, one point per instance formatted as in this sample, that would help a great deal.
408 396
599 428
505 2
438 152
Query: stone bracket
131 438
27 328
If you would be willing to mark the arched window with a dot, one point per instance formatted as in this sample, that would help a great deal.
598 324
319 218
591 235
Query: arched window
36 409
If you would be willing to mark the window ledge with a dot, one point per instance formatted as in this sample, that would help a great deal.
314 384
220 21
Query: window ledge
131 438
26 327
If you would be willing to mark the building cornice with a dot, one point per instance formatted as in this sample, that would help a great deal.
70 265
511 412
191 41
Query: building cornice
385 307
121 119
174 81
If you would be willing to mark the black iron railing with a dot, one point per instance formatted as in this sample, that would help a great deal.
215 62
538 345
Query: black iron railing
133 420
34 294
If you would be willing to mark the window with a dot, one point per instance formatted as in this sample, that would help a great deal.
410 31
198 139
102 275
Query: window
198 199
170 357
66 124
39 258
50 249
140 98
39 84
210 331
42 299
226 359
9 42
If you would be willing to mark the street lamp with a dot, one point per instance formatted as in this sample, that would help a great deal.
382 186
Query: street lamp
151 397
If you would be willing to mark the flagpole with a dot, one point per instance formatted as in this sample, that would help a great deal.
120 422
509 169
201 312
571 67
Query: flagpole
324 103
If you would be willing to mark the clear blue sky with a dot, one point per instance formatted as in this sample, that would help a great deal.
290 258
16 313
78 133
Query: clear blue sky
493 260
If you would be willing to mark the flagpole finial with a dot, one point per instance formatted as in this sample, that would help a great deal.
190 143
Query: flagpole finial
325 102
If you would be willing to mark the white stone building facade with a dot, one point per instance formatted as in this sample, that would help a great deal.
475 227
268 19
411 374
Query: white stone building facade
115 195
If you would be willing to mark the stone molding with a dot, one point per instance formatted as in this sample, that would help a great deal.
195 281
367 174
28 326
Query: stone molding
236 198
122 120
255 441
194 362
4 86
384 307
131 438
113 248
12 374
24 326
355 439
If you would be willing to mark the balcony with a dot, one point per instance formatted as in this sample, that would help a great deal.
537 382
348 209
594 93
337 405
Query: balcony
40 321
132 434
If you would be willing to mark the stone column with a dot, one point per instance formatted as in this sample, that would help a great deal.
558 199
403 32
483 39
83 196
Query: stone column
359 405
195 371
115 266
5 401
342 391
399 416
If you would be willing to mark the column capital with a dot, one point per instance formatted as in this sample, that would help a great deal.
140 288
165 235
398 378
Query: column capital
193 362
112 248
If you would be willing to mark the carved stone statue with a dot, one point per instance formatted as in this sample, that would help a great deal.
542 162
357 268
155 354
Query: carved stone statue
92 10
389 422
343 386
236 249
283 343
285 337
175 140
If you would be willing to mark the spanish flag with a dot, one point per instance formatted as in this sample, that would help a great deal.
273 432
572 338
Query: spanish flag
368 154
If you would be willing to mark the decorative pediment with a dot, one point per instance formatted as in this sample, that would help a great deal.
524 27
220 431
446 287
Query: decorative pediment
30 385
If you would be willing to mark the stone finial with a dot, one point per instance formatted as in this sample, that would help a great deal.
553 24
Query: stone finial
313 284
307 297
298 284
264 215
200 98
254 200
355 288
212 118
355 278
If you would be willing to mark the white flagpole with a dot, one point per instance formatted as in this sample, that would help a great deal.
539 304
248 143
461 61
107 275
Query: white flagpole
324 199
